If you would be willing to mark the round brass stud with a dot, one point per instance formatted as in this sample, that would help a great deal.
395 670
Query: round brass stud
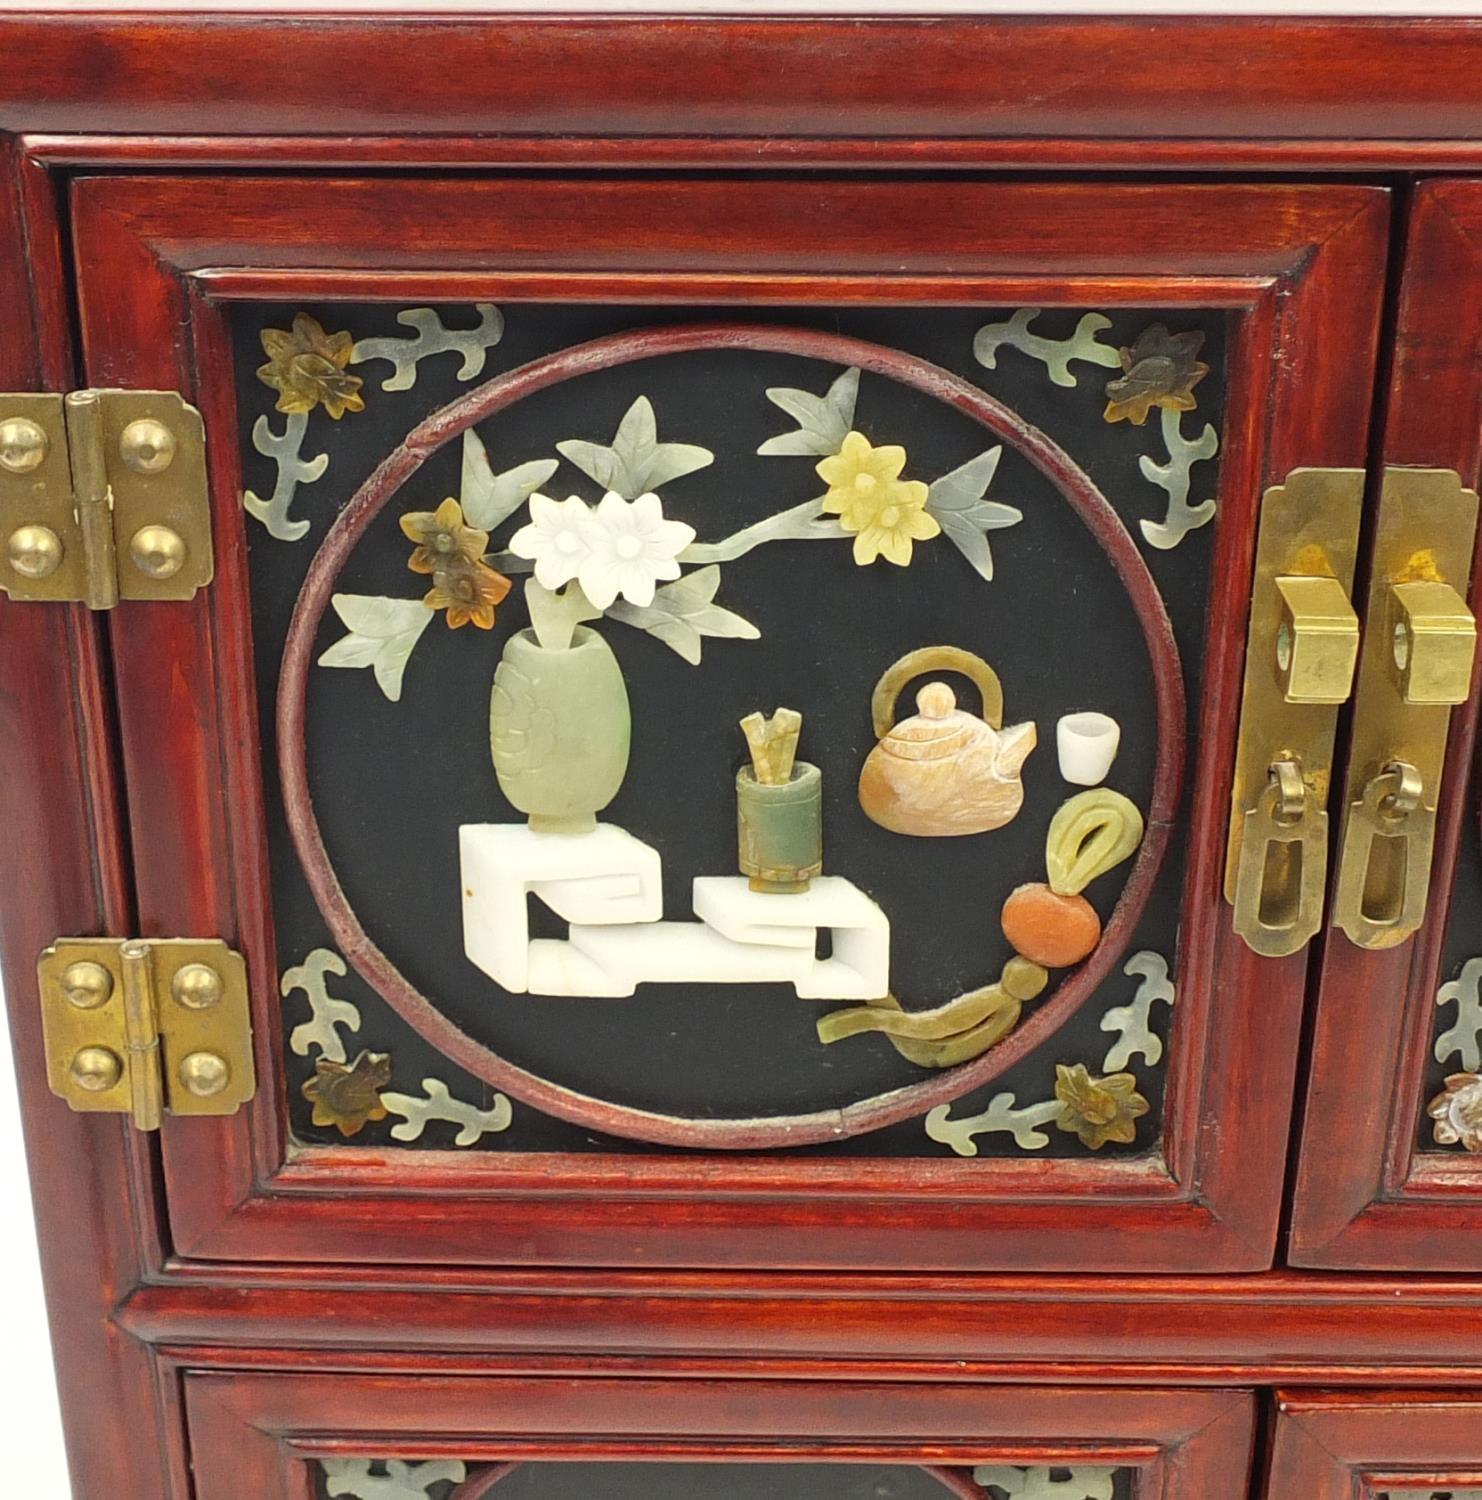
23 445
86 984
96 1069
34 551
204 1074
197 986
158 552
147 446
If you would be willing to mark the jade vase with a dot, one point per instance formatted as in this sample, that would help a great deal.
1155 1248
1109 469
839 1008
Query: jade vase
559 730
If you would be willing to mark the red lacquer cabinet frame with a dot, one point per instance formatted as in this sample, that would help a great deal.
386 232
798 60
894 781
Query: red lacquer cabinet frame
158 261
1374 1186
1414 1444
228 1319
268 1432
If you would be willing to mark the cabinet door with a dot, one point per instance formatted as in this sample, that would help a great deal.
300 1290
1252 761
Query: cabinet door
1407 1445
445 1437
537 503
1390 1173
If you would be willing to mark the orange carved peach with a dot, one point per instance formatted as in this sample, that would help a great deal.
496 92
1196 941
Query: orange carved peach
1048 929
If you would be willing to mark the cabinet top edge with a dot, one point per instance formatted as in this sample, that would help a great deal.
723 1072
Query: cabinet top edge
937 84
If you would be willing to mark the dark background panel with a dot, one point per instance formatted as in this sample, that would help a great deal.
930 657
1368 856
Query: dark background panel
1463 941
392 782
723 1481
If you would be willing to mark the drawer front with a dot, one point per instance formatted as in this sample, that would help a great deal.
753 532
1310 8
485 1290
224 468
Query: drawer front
431 1437
1413 1445
543 509
1390 1170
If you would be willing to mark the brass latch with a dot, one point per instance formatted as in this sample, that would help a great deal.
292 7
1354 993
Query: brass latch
1300 654
138 1027
103 497
1419 644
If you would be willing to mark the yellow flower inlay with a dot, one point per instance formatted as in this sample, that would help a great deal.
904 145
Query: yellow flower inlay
1098 1110
306 366
886 513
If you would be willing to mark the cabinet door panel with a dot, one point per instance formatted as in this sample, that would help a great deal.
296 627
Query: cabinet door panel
1408 1445
841 423
440 1437
1389 1173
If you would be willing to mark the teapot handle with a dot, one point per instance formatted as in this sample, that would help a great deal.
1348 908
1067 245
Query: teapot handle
935 659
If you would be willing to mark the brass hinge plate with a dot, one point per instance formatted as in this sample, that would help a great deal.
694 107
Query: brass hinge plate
103 497
139 1027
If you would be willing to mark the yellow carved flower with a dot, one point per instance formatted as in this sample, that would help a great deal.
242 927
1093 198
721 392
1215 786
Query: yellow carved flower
441 537
348 1096
468 591
1098 1110
885 512
307 368
1458 1112
1160 369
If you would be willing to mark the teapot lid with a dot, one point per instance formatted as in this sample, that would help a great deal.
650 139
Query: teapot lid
937 731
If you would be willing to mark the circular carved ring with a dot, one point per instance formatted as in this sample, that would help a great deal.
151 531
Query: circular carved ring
1094 510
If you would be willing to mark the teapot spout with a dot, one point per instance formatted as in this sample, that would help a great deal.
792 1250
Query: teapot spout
1014 745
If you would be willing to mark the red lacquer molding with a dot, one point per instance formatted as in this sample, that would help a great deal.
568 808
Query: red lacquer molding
844 79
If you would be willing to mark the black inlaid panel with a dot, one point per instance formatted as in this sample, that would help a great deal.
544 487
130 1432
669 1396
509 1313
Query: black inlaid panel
730 1481
1459 1021
393 781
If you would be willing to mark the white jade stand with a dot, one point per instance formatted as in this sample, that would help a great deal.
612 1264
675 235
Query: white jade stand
607 885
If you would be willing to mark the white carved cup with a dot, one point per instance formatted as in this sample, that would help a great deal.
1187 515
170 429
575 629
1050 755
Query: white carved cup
1087 745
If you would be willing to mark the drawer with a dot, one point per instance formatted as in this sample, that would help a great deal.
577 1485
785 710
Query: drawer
559 1437
967 474
1408 1445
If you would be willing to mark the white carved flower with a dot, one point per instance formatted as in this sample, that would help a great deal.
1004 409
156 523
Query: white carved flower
630 549
556 539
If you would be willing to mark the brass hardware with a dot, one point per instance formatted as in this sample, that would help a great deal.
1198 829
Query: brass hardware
1317 641
35 551
90 476
1419 644
147 446
96 1069
1300 651
157 551
1278 895
1435 639
205 1074
144 1027
23 445
86 985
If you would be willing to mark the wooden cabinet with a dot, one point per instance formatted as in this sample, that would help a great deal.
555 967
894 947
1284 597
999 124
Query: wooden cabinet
1392 1182
471 1435
1410 1445
331 822
478 454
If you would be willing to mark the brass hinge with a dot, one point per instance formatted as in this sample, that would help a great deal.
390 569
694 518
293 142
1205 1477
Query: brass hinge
103 497
138 1027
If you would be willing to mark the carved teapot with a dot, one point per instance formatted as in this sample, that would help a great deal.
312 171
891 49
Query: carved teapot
943 771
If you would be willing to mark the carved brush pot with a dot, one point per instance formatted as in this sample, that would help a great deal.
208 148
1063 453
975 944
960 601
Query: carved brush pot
780 828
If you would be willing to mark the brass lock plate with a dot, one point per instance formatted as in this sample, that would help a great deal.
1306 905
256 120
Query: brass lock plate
1300 652
1419 645
140 1026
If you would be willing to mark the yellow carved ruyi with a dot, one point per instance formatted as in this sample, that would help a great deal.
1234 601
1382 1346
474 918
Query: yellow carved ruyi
1090 834
943 771
962 1029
